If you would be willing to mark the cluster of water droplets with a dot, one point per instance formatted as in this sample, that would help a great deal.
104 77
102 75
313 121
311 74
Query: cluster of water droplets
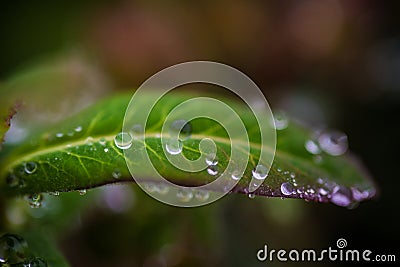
14 251
334 143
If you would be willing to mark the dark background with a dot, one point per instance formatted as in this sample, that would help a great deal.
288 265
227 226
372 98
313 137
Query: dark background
330 62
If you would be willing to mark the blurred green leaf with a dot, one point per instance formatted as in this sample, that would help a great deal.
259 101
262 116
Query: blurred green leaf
80 153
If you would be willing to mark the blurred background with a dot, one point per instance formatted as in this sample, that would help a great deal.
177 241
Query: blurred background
329 62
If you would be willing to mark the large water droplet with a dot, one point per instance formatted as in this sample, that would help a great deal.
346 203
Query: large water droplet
13 249
35 200
281 121
174 146
202 195
123 140
287 189
184 195
334 143
30 167
116 174
312 147
180 129
260 172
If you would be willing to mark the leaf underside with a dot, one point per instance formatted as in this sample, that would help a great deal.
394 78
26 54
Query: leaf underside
79 153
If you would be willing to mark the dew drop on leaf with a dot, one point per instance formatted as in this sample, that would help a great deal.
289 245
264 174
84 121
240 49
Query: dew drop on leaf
35 200
260 172
30 167
251 195
82 192
334 143
211 159
202 195
102 141
212 170
78 129
287 189
123 140
116 174
235 175
281 121
174 146
312 147
184 195
137 131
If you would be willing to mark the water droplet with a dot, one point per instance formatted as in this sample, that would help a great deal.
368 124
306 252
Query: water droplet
150 187
36 262
251 195
116 174
102 141
292 175
12 180
211 159
323 192
236 175
30 167
55 193
13 249
281 121
334 143
212 170
59 135
163 189
287 189
341 196
105 149
82 192
174 146
312 147
359 195
89 141
137 131
78 129
123 140
184 195
202 195
278 169
35 200
180 129
260 172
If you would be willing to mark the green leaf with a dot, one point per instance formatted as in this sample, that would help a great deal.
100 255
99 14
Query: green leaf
79 153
